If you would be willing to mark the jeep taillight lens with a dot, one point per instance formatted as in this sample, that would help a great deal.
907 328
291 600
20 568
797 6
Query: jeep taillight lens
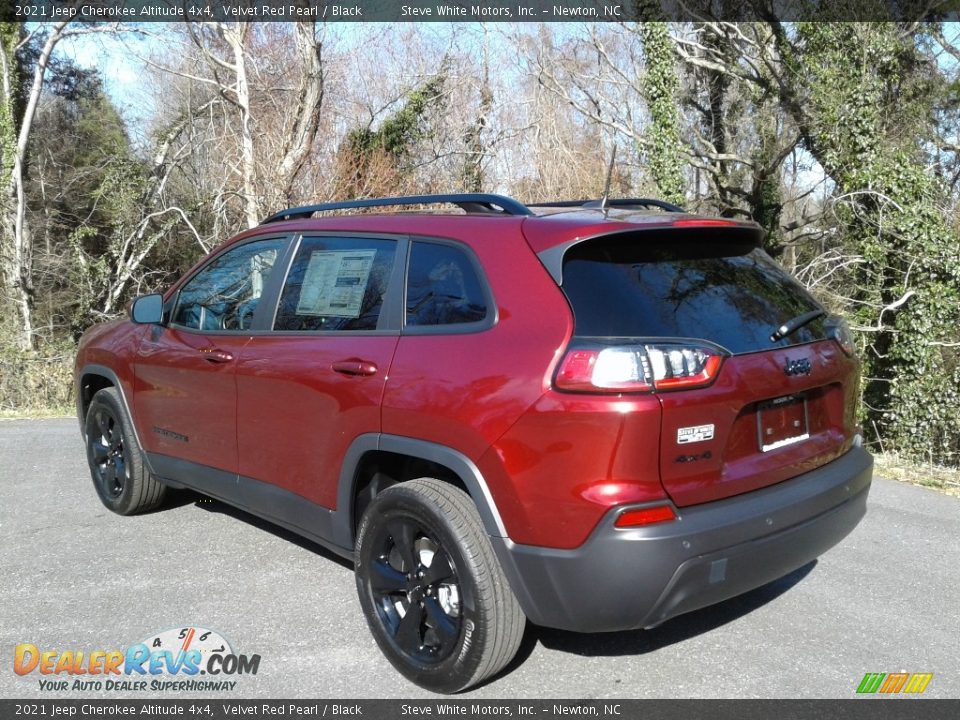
682 367
616 369
638 368
841 333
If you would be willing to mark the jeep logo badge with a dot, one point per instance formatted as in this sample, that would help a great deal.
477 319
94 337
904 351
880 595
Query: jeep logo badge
797 367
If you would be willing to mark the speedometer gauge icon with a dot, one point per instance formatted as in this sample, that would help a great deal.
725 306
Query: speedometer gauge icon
181 640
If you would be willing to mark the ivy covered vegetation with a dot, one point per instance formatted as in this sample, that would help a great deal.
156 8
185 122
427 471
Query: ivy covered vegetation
842 140
891 211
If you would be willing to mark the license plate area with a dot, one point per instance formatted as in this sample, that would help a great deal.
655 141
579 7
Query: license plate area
782 421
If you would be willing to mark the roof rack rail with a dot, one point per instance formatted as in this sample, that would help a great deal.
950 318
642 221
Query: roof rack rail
621 203
468 202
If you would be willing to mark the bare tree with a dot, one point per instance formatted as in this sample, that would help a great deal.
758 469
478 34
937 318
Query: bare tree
17 250
234 72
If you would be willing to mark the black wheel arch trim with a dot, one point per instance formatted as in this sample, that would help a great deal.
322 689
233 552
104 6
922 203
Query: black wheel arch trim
107 374
464 467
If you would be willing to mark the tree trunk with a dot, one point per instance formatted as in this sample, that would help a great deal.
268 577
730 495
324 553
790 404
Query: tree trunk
17 248
236 36
473 138
661 90
299 142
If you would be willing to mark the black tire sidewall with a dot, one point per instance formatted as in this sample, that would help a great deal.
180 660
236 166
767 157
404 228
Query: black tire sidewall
457 670
121 503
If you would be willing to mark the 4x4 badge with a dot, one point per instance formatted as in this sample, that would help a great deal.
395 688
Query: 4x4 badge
798 367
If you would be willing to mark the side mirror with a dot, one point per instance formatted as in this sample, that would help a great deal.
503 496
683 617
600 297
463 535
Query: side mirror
147 309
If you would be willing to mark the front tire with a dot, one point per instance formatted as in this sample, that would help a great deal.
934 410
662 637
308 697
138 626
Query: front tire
431 588
120 476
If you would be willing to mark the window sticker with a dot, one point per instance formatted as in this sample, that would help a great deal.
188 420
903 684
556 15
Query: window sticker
335 282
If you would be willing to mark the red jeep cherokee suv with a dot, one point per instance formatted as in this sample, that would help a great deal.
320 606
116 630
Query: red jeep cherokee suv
595 416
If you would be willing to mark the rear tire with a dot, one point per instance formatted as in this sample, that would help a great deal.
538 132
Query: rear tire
431 588
120 476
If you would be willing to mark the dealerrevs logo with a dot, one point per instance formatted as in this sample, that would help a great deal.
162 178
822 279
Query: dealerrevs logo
171 660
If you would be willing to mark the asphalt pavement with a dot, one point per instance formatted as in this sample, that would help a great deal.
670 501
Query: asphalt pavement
76 577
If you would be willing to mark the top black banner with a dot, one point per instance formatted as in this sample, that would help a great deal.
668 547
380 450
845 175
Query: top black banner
394 11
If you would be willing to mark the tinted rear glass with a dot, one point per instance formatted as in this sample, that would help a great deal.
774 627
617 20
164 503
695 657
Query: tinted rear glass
730 294
442 287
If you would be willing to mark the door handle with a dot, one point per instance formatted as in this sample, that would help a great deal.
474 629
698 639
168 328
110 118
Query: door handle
215 355
355 366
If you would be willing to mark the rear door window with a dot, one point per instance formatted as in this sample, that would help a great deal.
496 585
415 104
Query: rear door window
728 293
336 284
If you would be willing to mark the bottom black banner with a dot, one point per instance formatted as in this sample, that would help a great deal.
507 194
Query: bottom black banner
860 709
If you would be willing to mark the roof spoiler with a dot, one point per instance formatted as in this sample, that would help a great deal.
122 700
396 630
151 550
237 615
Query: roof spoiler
748 233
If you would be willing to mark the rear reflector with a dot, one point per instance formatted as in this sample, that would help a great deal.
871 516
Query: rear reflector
638 368
645 516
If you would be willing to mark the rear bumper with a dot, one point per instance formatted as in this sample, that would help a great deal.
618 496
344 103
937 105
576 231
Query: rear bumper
637 578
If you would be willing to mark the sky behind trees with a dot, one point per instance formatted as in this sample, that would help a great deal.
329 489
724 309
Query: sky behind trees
150 145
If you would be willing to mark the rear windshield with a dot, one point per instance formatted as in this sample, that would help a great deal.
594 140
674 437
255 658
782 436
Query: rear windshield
731 294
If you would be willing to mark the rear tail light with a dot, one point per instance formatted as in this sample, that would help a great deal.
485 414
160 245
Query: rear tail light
645 516
682 367
638 368
840 331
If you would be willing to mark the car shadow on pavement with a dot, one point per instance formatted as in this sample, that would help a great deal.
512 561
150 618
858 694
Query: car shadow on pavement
177 497
678 629
628 642
212 505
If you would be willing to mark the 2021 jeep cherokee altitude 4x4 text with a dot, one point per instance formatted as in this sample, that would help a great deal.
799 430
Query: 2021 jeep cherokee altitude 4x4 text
593 417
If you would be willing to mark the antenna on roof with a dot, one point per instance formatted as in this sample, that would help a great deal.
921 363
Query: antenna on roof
606 187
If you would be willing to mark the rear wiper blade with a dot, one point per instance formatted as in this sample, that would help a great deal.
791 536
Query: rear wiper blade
794 324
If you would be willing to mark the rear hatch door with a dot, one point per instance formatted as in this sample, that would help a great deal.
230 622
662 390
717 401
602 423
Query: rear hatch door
776 408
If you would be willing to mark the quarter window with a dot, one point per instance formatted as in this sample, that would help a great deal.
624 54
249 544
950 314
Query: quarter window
443 287
224 295
336 284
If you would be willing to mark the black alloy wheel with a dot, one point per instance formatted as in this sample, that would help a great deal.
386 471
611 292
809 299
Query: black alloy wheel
119 473
110 465
431 588
415 590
